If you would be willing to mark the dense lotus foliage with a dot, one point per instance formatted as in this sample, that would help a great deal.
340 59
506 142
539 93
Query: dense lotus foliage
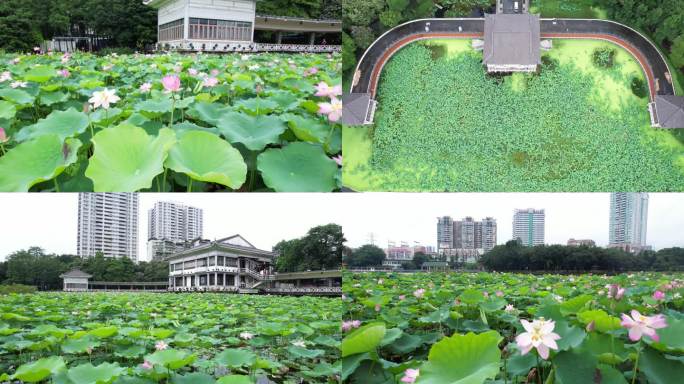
262 122
512 328
443 124
150 338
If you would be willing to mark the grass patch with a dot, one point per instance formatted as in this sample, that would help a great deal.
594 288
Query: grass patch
444 125
579 9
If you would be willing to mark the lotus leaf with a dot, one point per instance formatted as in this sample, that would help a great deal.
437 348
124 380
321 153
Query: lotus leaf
299 167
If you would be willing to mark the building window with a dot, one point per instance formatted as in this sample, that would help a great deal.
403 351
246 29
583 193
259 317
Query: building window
171 31
211 280
189 264
231 262
220 279
212 261
203 280
210 29
202 262
220 261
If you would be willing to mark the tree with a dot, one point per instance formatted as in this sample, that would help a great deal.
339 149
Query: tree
677 51
321 248
367 256
418 259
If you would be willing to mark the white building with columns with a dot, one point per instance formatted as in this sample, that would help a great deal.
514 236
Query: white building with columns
226 264
231 25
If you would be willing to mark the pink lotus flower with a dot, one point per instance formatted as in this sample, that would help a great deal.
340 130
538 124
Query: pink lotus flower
65 58
171 83
146 365
5 76
3 135
419 293
539 335
246 335
324 90
402 297
485 293
145 87
210 82
16 60
107 67
104 98
65 73
377 307
192 72
499 294
659 295
615 291
215 72
349 325
640 325
333 109
161 345
509 308
338 160
410 375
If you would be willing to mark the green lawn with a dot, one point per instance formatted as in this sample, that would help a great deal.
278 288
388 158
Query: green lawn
579 9
444 125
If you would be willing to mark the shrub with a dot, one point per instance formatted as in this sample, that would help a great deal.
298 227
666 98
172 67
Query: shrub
549 62
639 87
604 57
117 50
16 288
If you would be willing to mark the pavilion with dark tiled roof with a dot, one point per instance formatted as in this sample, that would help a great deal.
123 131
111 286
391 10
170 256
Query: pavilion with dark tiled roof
667 111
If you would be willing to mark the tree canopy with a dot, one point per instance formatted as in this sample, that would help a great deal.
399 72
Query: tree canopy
515 257
25 24
366 256
36 268
321 248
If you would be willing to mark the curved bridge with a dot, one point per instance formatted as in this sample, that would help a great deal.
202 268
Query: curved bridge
369 68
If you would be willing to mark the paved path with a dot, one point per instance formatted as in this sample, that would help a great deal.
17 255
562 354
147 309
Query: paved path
372 62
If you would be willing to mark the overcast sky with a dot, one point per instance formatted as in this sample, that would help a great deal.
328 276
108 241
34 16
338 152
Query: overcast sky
50 220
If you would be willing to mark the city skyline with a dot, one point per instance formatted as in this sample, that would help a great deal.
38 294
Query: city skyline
568 215
49 221
108 224
628 219
170 223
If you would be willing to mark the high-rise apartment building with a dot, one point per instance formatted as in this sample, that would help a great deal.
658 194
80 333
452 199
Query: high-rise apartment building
468 238
628 219
170 225
528 226
108 223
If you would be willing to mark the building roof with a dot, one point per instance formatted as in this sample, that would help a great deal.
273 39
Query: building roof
670 111
512 39
235 242
355 108
75 273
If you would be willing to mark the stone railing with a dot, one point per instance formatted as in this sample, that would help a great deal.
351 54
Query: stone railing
228 288
304 290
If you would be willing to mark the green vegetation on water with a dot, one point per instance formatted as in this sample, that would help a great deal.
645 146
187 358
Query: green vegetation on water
168 338
443 124
468 328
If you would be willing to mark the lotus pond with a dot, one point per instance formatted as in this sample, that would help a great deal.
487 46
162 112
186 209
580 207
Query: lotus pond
443 124
168 338
441 328
172 122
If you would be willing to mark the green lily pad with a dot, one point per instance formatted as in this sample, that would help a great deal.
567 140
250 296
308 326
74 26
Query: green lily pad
104 332
193 378
234 379
101 374
257 105
573 367
206 157
299 167
49 98
603 321
303 352
310 130
17 96
255 132
660 370
40 74
40 369
126 158
131 352
154 107
105 116
363 339
35 161
7 110
81 345
210 112
462 359
171 358
61 123
235 358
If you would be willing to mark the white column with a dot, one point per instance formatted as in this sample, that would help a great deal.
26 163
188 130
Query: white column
186 21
